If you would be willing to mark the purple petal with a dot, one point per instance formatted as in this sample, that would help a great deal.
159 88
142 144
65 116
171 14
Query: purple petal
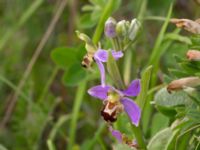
117 54
102 55
99 91
117 134
133 89
132 109
102 72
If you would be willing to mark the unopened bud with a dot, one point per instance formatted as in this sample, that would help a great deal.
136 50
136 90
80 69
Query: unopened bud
89 45
134 29
122 28
183 83
110 28
193 55
189 25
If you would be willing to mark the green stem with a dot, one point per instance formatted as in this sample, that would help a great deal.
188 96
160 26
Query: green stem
106 13
127 67
158 18
14 87
48 84
76 107
50 145
63 119
138 135
97 135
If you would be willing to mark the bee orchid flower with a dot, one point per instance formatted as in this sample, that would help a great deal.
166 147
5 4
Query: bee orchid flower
116 101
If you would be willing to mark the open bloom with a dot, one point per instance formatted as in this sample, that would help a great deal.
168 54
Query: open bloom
115 101
101 56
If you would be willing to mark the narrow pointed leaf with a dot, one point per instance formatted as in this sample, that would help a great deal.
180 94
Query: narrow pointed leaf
145 81
114 71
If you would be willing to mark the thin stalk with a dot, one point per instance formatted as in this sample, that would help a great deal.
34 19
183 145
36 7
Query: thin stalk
24 18
63 119
157 18
114 45
143 8
106 13
138 135
97 135
48 84
127 67
76 107
14 87
50 145
154 61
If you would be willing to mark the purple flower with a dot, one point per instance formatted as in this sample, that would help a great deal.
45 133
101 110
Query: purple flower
116 101
117 134
101 56
122 138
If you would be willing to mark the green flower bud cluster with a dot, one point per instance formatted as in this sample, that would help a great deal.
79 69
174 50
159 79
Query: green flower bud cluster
125 32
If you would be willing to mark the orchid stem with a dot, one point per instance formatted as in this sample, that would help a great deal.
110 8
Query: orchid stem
106 13
138 135
76 107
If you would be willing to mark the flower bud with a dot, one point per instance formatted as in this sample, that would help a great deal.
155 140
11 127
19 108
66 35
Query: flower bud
189 25
89 45
122 28
193 55
182 83
110 28
134 29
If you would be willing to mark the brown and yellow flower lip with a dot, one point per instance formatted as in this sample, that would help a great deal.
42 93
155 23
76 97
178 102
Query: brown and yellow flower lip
193 55
180 84
111 110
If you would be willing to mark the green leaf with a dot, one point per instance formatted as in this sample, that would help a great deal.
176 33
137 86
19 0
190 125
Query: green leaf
114 71
194 114
170 112
165 99
2 147
178 73
172 141
166 103
122 147
64 56
180 38
179 59
157 51
86 21
195 42
100 3
188 68
74 75
145 81
159 122
160 140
